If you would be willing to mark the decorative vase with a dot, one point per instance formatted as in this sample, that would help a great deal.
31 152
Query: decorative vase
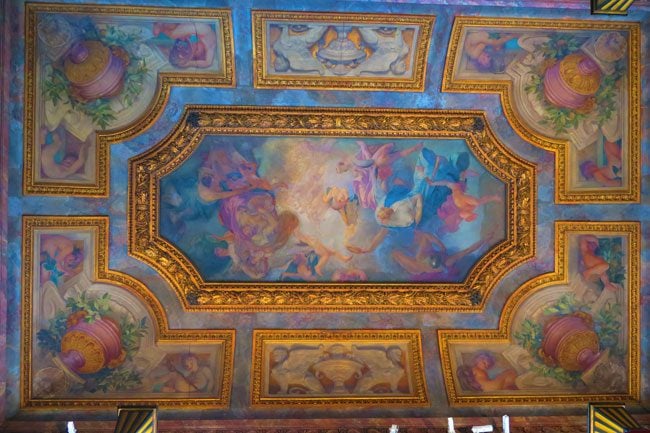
570 342
95 70
88 347
341 373
572 82
341 54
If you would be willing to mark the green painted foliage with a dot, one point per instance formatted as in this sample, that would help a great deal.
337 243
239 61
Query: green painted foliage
93 309
607 325
606 97
58 90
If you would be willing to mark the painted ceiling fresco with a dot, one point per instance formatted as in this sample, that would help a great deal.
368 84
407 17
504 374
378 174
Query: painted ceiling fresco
350 210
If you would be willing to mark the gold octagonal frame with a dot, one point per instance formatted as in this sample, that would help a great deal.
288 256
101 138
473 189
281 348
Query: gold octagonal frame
145 243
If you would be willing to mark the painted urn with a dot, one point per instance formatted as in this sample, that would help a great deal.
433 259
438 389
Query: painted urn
572 82
570 342
95 70
339 375
341 54
88 347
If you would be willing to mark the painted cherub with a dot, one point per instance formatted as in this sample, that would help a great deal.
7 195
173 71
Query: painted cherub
59 257
347 205
194 44
485 50
594 266
379 160
608 174
309 265
431 259
465 203
57 161
477 376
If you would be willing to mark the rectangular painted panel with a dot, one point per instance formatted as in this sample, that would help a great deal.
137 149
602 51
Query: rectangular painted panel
319 209
340 51
324 368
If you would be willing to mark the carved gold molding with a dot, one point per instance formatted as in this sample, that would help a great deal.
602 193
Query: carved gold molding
163 333
503 335
337 347
263 79
165 81
631 190
146 170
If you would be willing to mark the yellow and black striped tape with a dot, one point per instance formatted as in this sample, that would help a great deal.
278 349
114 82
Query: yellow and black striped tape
610 418
610 7
136 420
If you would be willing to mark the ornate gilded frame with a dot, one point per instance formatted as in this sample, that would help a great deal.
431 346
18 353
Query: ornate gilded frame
146 170
262 79
561 148
368 337
446 338
164 334
165 81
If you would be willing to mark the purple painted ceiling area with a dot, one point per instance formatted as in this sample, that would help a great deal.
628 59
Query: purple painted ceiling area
640 5
323 216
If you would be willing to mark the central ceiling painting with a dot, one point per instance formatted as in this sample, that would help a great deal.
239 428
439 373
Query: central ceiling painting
237 198
257 208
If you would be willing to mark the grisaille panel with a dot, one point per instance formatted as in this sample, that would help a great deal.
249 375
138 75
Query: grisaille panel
340 51
343 367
